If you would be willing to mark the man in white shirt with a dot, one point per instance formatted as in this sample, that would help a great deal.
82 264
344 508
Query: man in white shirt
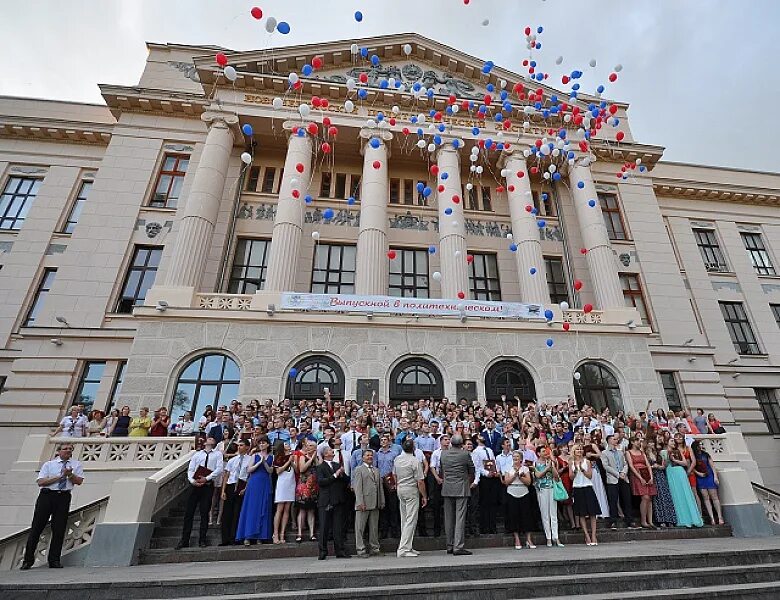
55 480
489 485
201 489
73 425
504 460
233 487
473 504
350 439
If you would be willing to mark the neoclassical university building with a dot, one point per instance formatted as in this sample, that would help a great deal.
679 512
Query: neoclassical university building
144 263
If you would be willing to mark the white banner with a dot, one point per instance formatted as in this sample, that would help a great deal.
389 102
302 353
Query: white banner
410 306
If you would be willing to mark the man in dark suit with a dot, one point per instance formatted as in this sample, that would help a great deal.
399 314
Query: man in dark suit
457 472
492 436
333 482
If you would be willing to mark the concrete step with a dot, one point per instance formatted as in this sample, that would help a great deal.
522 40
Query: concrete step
746 591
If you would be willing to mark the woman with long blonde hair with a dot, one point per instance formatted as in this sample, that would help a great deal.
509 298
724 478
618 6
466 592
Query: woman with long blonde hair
586 505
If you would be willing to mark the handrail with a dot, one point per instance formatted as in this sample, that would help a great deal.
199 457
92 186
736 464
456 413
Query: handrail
770 501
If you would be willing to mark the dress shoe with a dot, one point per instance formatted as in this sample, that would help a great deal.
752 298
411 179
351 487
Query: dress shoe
408 555
226 544
181 545
203 543
377 553
322 557
449 550
363 555
26 566
462 553
55 565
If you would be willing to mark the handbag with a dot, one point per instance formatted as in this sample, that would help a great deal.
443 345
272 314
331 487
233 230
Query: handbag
559 491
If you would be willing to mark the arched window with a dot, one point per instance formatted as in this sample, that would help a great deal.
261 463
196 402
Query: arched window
314 374
511 379
211 379
415 378
597 387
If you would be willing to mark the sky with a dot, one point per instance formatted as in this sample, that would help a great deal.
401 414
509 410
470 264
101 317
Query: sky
697 73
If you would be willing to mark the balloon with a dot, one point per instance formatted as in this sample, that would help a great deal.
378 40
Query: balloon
591 203
485 22
358 16
391 254
566 326
461 295
375 143
283 27
293 78
559 60
577 376
316 62
619 136
583 250
246 158
587 308
377 165
577 285
308 199
457 253
618 68
293 372
436 276
257 13
304 110
581 184
230 74
312 128
221 59
469 258
328 213
270 24
564 305
307 70
513 247
548 314
408 50
300 168
277 103
315 235
532 270
431 249
592 62
247 129
326 148
549 342
349 106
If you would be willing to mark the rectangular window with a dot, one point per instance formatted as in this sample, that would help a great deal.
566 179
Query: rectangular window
710 250
325 182
548 205
170 180
632 295
140 277
2 383
421 200
249 266
269 176
341 186
770 408
279 182
486 200
89 384
739 328
44 287
556 281
776 312
669 384
409 273
116 389
355 187
759 257
254 177
15 203
408 191
612 219
78 206
334 269
536 201
395 191
483 277
471 198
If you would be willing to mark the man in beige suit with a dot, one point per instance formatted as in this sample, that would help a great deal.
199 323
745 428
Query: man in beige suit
369 500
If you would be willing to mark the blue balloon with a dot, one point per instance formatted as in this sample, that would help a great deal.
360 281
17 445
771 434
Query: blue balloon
417 86
364 52
427 191
539 29
432 113
642 168
540 77
293 372
420 131
538 45
437 140
534 211
446 176
442 127
283 27
533 64
499 117
488 143
591 203
308 199
490 88
448 211
549 343
307 70
456 144
375 143
504 94
581 184
413 119
420 186
247 129
532 270
513 247
380 116
548 314
448 110
429 93
545 196
301 132
556 176
432 249
384 84
475 131
328 213
541 223
362 94
358 16
374 59
600 89
351 200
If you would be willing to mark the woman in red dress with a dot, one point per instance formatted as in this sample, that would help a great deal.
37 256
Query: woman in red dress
562 457
642 483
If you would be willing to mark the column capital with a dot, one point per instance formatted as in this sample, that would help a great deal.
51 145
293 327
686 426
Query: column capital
507 155
215 118
383 135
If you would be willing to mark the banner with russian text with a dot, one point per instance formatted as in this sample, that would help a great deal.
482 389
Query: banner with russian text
410 306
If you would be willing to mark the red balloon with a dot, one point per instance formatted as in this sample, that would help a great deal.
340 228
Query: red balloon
620 135
316 62
469 258
456 198
440 188
583 250
324 102
511 188
297 85
221 59
405 131
313 129
464 105
613 109
528 31
488 99
363 78
534 170
299 167
520 174
377 164
326 147
326 121
500 189
434 170
316 102
391 254
333 131
528 208
392 121
577 285
565 79
296 194
257 12
613 77
566 326
587 308
438 116
461 295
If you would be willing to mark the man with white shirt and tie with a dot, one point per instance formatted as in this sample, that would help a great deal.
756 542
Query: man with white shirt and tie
233 487
489 486
369 501
205 466
350 439
73 425
56 480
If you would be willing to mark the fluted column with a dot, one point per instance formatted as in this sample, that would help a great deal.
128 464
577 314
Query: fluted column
525 232
371 276
288 222
601 259
193 240
452 229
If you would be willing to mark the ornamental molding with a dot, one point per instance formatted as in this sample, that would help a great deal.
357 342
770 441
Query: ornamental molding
55 130
719 193
122 99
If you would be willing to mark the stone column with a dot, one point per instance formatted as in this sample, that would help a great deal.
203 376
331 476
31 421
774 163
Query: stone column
371 276
193 240
452 228
288 223
601 259
525 232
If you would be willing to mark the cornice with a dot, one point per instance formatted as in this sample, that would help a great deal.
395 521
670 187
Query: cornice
154 101
56 130
681 188
627 152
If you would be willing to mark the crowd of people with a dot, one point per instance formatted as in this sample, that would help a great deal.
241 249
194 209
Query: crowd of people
275 473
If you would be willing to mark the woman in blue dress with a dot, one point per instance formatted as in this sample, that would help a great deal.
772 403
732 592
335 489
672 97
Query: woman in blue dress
255 520
682 495
707 481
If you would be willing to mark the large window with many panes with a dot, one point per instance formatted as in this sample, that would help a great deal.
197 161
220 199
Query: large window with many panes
613 220
170 181
669 383
78 206
18 196
756 250
334 269
409 273
739 327
87 390
484 282
44 287
632 295
140 277
711 254
776 313
556 280
249 266
770 408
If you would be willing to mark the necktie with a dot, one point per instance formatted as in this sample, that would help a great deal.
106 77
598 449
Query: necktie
353 440
206 462
63 482
240 466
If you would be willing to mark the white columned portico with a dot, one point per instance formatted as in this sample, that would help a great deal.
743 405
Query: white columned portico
452 228
196 227
371 276
288 222
601 259
525 232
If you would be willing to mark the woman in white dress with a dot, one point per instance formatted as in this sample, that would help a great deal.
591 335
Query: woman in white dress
284 495
593 454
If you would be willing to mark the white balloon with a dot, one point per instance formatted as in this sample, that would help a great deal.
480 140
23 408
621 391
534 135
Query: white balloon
472 169
293 78
529 110
407 49
351 84
469 186
559 60
396 109
246 158
354 49
457 252
278 103
421 118
230 73
546 175
270 24
475 149
455 108
480 169
304 110
577 376
370 123
294 182
473 158
391 82
618 68
592 62
639 161
526 153
556 152
436 276
421 144
431 127
509 236
315 235
349 106
402 88
564 305
485 22
527 125
504 172
502 83
431 147
551 168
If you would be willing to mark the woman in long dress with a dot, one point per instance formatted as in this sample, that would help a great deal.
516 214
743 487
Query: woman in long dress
306 491
254 523
593 454
285 490
682 496
663 506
